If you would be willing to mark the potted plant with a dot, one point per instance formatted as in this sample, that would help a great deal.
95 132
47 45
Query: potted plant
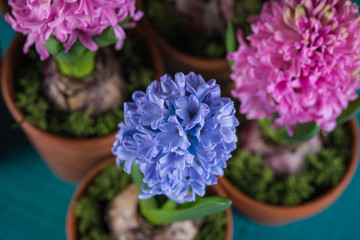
296 78
174 139
72 80
191 33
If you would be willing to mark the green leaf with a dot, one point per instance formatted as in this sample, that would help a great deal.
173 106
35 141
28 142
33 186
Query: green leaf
145 204
352 110
65 63
137 177
188 211
169 205
54 46
108 37
230 40
79 62
85 64
303 132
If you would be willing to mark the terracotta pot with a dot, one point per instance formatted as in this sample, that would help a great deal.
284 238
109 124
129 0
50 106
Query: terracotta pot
180 61
68 158
4 6
268 214
71 222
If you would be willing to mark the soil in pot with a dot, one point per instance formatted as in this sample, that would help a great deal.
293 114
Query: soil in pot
198 27
92 207
84 121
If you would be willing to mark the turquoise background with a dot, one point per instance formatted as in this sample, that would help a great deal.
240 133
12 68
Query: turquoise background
33 202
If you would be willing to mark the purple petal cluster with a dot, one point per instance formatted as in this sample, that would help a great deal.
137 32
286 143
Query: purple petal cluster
302 63
180 133
69 20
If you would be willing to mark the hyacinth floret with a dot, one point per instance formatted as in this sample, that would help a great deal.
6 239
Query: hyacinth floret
300 64
180 133
69 20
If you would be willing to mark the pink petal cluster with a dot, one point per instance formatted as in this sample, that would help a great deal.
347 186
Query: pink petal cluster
302 63
69 20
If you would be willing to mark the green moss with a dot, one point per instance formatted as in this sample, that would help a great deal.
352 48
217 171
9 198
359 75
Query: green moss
88 214
164 18
79 124
107 184
213 227
138 75
320 173
108 122
29 100
90 208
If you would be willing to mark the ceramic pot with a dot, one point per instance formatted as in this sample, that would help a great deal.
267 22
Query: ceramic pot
71 222
4 6
180 61
68 158
268 214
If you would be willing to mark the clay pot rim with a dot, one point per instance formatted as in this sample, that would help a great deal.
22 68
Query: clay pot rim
8 93
71 222
201 61
332 193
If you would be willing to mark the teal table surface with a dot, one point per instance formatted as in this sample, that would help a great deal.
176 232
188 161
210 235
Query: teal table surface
33 202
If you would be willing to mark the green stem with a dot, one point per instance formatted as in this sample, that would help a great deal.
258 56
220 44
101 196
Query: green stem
173 212
169 205
230 41
146 205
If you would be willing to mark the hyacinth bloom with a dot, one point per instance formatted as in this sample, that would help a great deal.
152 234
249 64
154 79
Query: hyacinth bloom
301 64
180 133
69 20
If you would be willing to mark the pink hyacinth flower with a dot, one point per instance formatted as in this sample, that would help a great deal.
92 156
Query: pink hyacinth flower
69 20
302 62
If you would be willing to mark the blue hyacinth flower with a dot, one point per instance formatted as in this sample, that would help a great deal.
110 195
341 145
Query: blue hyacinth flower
180 133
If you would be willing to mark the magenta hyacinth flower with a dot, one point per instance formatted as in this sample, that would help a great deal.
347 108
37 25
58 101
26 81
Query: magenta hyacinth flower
302 62
69 20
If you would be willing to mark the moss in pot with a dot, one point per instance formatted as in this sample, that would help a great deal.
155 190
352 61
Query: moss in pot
80 69
73 44
81 123
90 209
167 20
202 24
297 86
318 174
175 138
